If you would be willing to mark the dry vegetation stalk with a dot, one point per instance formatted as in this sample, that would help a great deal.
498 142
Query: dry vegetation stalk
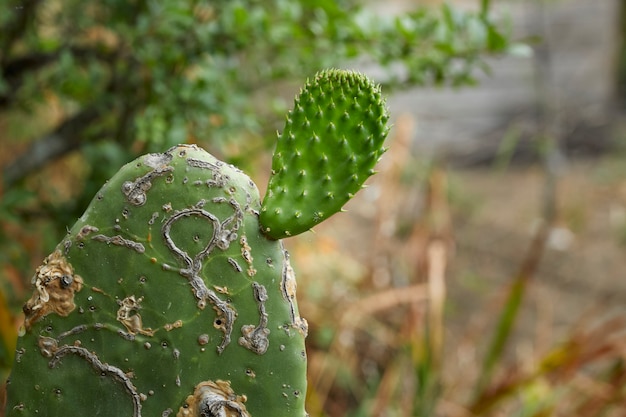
409 382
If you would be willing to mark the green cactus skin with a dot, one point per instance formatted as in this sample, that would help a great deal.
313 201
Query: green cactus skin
332 139
164 299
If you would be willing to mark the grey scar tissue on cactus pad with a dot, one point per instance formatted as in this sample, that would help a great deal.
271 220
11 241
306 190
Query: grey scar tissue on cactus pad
170 297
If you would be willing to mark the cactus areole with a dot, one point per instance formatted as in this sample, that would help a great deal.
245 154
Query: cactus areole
173 296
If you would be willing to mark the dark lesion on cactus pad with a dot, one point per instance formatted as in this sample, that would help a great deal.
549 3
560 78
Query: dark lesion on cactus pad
136 191
214 399
50 348
255 338
193 266
85 231
288 288
118 240
246 254
55 285
128 315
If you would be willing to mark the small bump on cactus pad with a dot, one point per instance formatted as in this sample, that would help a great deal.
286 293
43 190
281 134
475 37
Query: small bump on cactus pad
164 299
332 139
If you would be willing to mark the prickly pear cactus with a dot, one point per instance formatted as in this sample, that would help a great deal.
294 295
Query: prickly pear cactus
170 297
164 299
332 139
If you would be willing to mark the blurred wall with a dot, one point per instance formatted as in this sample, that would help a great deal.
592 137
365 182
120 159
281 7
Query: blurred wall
574 68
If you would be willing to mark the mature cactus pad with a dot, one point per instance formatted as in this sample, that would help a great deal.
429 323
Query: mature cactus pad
332 139
164 299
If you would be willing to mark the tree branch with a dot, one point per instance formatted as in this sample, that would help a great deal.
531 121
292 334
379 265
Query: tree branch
65 138
14 71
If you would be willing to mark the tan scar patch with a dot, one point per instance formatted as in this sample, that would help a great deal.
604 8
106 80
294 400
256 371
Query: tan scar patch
55 285
128 315
214 398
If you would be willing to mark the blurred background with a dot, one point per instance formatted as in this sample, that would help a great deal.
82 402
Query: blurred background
481 273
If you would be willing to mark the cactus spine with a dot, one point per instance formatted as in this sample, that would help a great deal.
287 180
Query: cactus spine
171 297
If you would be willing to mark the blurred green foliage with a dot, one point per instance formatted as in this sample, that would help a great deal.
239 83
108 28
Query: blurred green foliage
86 86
